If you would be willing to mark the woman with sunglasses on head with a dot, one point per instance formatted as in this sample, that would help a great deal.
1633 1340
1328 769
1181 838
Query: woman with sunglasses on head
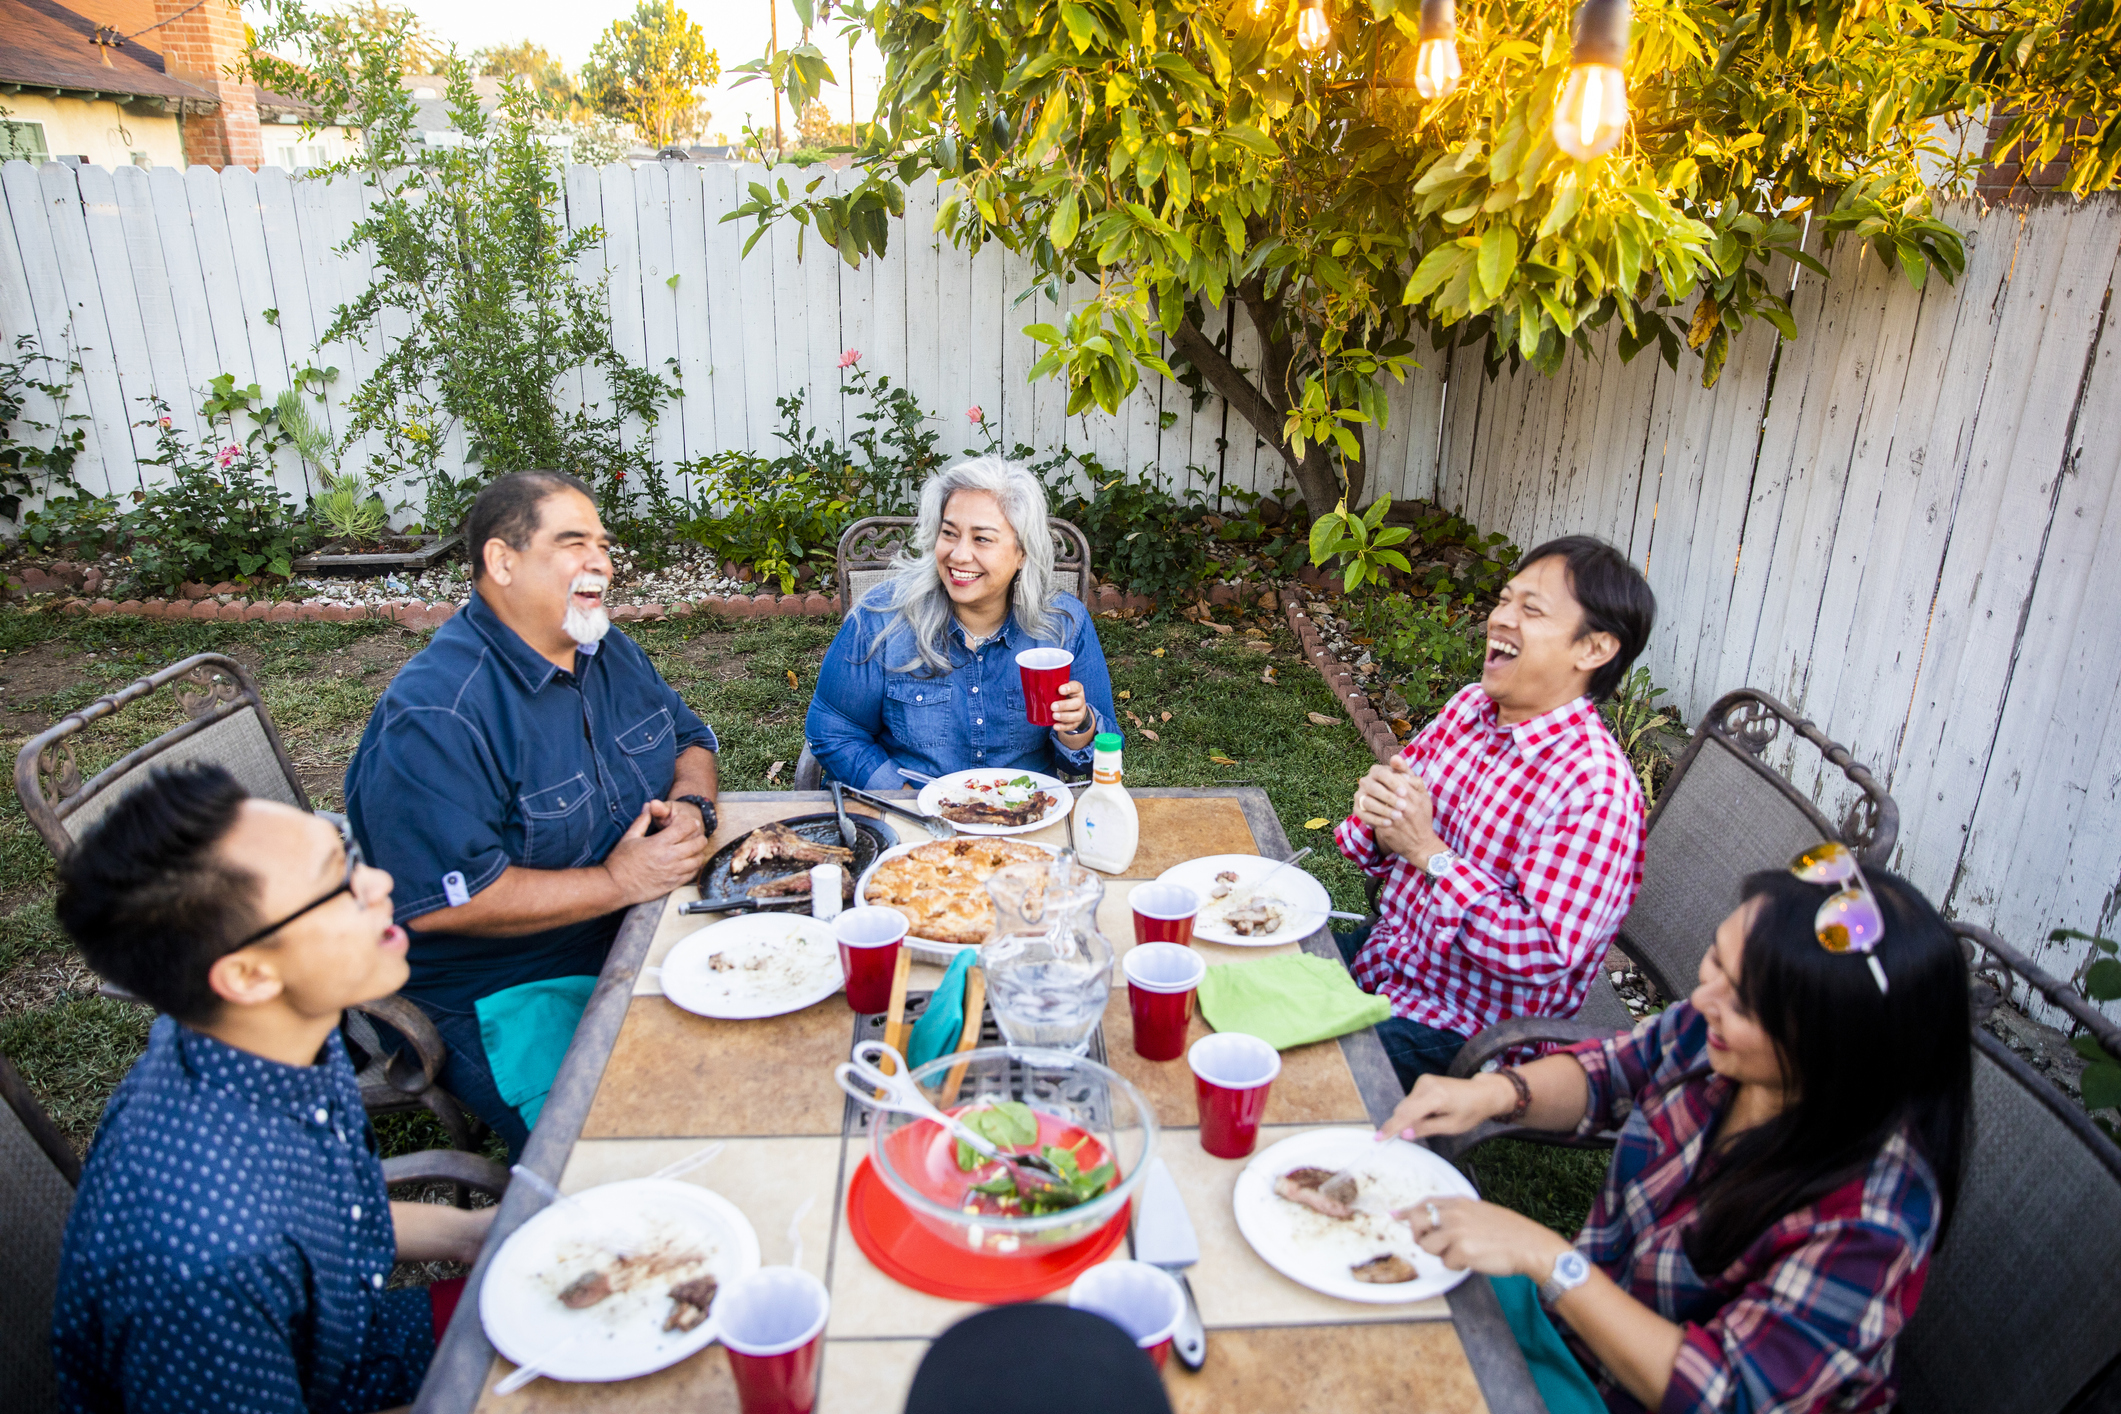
1790 1146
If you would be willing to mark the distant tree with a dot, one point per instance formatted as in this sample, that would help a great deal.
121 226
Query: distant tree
560 94
815 127
418 49
648 71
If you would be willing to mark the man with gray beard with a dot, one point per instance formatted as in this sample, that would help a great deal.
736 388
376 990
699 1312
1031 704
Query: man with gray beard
527 777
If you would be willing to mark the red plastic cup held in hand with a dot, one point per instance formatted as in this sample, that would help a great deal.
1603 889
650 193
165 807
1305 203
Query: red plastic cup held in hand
869 940
1161 981
773 1325
1164 913
1232 1073
1044 670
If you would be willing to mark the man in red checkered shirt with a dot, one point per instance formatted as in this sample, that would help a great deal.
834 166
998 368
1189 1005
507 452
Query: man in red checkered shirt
1509 832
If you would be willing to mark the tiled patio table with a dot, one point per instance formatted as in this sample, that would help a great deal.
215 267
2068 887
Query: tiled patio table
645 1083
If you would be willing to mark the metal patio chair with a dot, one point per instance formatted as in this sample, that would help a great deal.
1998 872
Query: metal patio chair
866 553
38 1176
1725 813
229 726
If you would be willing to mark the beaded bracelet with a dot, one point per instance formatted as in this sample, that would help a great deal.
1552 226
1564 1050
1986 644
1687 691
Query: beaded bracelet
1524 1095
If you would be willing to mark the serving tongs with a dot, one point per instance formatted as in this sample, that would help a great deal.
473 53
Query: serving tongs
937 827
864 1078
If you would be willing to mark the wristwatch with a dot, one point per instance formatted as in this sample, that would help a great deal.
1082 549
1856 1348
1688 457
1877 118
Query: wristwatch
1571 1270
708 819
1440 861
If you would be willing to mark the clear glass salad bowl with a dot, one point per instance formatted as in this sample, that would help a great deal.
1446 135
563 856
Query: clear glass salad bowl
1078 1105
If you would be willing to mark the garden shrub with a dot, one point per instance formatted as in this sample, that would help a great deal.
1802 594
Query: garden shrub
219 517
1143 537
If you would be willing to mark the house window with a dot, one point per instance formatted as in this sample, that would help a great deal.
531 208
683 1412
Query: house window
24 140
143 160
296 159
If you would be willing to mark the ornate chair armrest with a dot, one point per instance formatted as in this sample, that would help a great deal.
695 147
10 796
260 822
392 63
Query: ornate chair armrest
410 1022
1523 1031
447 1166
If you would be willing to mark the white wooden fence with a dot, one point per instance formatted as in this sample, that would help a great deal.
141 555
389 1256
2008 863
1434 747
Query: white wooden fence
1894 523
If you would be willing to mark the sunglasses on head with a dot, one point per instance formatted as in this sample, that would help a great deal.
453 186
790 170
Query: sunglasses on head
1849 921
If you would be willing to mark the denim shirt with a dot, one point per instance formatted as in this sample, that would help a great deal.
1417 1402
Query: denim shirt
482 754
866 720
230 1242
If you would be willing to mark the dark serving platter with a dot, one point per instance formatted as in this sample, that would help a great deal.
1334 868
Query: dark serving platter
872 837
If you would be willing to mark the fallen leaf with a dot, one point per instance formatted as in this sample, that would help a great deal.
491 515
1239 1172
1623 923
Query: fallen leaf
1132 718
1318 824
1268 678
1320 719
1125 695
793 685
773 772
1259 646
1222 760
1151 735
1223 629
1255 633
1402 726
1156 652
1163 716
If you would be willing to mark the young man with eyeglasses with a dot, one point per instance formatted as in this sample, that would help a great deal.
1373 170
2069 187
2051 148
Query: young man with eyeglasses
1508 834
231 1239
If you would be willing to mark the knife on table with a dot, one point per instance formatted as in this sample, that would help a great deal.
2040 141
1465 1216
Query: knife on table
1163 1237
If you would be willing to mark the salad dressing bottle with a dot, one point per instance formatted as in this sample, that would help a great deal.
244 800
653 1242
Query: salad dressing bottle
1107 829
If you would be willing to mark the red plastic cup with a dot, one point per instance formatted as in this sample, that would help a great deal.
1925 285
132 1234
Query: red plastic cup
1144 1301
869 940
1044 670
1164 913
1161 981
1232 1073
773 1325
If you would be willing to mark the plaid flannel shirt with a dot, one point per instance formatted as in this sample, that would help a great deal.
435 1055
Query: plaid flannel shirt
1805 1319
1546 819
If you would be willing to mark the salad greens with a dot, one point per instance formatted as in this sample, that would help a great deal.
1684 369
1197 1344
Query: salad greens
1012 1125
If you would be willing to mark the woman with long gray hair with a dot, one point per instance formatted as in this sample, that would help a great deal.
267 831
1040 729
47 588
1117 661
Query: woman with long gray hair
923 674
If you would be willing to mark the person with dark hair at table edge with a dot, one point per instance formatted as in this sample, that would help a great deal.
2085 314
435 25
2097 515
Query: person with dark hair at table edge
231 1237
1791 1143
527 777
1509 832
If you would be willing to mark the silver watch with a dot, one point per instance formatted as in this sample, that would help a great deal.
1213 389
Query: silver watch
1438 862
1571 1270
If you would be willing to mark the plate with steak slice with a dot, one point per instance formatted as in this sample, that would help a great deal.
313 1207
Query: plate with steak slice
772 863
997 801
1319 1208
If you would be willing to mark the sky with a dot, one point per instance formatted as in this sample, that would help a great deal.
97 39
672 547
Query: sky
736 30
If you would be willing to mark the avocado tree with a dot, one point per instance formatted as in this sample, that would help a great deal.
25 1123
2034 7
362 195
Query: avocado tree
1175 155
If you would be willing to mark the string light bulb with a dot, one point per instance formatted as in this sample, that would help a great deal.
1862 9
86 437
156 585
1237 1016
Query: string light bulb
1436 66
1313 30
1594 106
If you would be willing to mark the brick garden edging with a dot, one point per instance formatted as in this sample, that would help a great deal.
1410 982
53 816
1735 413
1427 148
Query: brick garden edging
1347 689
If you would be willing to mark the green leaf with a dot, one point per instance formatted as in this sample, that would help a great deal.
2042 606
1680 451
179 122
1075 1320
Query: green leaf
2101 1086
2102 980
1436 267
1067 217
1324 531
1498 258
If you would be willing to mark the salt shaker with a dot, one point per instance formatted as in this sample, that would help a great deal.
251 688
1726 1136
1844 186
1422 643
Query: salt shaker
825 891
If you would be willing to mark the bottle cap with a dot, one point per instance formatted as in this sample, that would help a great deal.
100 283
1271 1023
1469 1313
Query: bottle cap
1108 741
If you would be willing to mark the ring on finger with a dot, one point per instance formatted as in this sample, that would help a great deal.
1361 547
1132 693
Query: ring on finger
1434 1219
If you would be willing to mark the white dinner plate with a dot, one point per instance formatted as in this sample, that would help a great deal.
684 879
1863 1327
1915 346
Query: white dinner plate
926 949
1314 1250
959 784
1306 898
622 1336
776 963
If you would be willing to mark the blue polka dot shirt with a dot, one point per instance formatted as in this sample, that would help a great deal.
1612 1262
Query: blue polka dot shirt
230 1242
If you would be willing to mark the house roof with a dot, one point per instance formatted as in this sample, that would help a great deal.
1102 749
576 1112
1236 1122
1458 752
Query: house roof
44 45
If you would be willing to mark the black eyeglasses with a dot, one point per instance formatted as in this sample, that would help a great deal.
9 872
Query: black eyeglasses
353 862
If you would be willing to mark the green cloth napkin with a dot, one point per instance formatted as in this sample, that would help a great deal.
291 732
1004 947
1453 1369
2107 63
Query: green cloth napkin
1288 1001
1563 1385
526 1031
943 1021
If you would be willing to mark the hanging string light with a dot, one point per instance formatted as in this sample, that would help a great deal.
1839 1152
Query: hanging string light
1594 107
1436 67
1313 30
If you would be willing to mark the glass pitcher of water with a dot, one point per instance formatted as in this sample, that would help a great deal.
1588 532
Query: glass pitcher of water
1048 967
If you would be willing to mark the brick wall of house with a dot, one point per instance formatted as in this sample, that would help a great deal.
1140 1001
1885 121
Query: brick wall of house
203 46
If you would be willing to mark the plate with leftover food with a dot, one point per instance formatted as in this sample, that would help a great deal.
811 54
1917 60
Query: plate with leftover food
997 802
1289 909
753 965
941 888
772 863
1317 1207
617 1281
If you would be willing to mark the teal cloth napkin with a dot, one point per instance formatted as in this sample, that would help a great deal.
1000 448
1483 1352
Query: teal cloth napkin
526 1031
1562 1383
943 1021
1287 1001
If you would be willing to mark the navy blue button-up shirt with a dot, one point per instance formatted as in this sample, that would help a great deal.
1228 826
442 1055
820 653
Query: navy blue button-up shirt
865 720
482 754
229 1244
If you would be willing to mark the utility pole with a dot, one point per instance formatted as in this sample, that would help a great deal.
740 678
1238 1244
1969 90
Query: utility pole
850 89
773 12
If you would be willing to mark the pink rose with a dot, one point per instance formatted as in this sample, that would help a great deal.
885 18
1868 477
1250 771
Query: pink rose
165 419
974 416
850 358
228 454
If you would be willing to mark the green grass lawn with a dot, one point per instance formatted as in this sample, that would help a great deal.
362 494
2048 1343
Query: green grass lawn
1226 727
